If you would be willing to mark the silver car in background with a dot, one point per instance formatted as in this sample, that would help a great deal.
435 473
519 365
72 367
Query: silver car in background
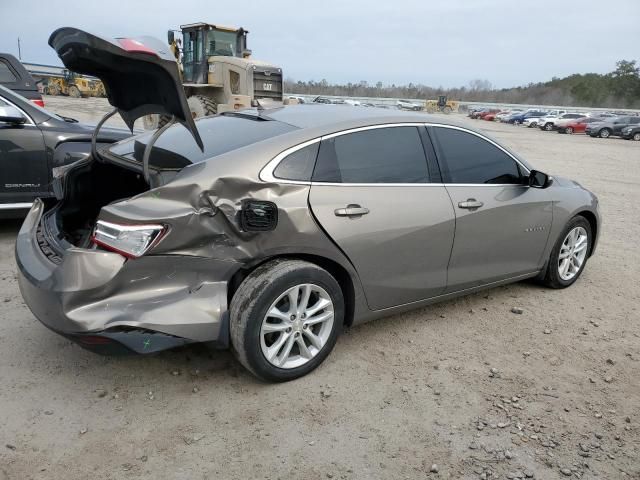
284 226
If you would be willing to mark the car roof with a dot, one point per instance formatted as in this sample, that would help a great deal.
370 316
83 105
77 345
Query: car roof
332 117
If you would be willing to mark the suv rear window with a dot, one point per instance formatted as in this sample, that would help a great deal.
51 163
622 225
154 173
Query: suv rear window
6 73
176 148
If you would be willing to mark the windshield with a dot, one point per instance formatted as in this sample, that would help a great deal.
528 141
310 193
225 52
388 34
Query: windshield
222 43
175 149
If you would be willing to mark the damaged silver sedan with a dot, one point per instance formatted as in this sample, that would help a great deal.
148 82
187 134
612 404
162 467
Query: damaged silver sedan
268 231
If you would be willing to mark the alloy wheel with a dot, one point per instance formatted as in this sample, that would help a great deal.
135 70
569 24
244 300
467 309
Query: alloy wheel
297 326
572 253
604 133
636 137
569 130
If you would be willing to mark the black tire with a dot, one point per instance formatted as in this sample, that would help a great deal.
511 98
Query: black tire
604 133
74 92
202 106
569 130
636 137
153 121
548 126
552 277
256 294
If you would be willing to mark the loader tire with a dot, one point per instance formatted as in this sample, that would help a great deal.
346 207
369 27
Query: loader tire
202 106
153 121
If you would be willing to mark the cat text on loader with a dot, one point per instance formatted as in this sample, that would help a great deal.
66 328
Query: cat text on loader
218 73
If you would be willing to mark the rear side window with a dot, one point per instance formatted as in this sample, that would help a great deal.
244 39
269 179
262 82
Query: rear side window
380 155
634 120
6 74
472 159
298 165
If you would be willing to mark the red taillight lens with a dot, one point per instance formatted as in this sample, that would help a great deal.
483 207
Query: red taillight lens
40 102
135 46
131 241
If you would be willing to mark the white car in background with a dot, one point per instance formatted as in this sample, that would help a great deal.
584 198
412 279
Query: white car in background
550 122
409 105
531 122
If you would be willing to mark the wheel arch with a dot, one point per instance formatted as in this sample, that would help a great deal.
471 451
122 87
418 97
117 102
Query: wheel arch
593 223
338 272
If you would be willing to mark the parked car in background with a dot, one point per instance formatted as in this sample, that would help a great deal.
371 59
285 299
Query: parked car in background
576 125
632 132
521 117
502 115
409 105
530 122
476 113
548 122
321 99
34 141
275 227
486 112
15 77
611 127
491 116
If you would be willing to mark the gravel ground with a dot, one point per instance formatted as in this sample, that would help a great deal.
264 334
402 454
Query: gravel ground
465 389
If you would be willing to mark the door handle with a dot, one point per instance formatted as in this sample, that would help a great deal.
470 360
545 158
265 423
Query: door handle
351 210
471 204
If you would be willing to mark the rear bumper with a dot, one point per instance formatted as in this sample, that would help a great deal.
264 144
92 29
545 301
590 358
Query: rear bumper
144 305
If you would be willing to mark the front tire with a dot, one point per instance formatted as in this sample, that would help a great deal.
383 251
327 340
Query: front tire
636 137
569 130
285 319
548 127
604 133
570 254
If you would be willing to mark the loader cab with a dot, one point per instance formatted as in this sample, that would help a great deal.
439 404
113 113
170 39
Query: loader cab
203 40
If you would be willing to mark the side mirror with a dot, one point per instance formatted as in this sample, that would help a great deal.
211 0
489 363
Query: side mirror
170 37
539 179
10 114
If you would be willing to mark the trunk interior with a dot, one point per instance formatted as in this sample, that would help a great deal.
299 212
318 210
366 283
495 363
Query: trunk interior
88 188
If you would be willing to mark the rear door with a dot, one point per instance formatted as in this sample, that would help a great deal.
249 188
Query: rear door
24 173
502 225
372 192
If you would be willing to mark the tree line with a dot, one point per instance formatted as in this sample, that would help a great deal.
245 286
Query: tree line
617 89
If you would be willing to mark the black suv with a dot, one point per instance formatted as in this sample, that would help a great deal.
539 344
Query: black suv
15 77
611 127
33 141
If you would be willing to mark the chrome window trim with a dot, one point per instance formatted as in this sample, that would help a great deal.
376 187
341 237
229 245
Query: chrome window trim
266 174
15 206
30 120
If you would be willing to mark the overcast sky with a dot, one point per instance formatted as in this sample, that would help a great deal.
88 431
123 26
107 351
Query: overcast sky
433 42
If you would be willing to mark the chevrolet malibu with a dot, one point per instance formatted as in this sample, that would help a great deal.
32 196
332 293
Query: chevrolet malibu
269 230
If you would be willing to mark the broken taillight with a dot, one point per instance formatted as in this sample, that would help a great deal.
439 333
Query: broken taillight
131 241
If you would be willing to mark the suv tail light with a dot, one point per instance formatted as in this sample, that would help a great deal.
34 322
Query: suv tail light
131 241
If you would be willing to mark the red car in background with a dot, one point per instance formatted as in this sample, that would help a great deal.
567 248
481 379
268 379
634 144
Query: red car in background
490 117
492 111
578 125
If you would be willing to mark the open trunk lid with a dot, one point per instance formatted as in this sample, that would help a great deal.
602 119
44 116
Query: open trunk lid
139 74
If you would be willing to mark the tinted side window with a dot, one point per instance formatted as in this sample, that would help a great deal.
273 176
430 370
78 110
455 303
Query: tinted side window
6 75
299 164
381 155
634 120
471 159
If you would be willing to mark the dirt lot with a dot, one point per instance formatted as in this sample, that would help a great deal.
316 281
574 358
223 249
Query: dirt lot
463 389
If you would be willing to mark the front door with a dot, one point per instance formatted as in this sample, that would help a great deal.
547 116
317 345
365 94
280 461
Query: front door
502 224
371 193
24 174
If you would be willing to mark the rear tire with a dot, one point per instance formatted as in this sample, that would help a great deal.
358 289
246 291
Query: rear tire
202 106
604 133
553 277
74 92
548 127
568 130
447 110
259 295
636 137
